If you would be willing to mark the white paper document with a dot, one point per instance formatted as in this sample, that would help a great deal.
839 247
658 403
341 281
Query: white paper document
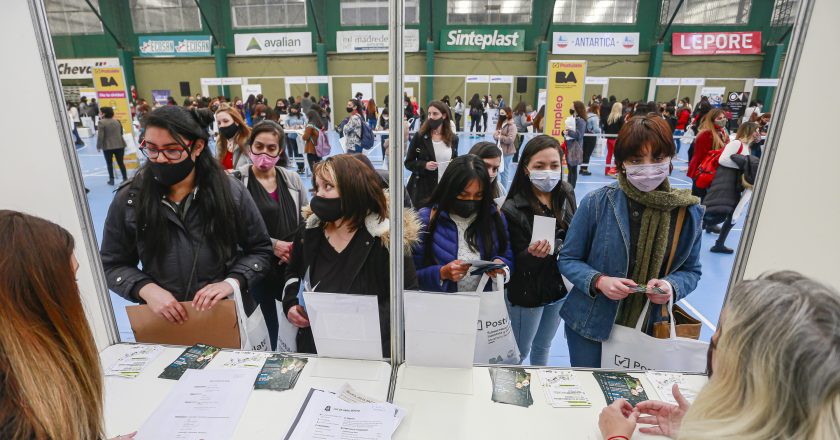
544 230
132 363
243 359
440 329
344 325
562 389
324 416
203 405
663 383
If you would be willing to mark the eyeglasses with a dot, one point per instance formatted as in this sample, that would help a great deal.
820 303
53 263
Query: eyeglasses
169 153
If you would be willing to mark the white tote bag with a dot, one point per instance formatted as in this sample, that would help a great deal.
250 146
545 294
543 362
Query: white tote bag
286 332
253 332
494 341
632 349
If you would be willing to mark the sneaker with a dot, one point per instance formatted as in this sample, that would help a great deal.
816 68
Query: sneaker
721 249
111 182
585 173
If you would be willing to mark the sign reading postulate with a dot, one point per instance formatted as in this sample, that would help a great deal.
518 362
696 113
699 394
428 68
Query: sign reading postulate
716 43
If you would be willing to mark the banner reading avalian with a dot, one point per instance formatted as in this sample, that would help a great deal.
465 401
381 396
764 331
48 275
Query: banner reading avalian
564 86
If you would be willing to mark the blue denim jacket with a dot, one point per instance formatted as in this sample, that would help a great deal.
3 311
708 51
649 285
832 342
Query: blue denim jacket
598 242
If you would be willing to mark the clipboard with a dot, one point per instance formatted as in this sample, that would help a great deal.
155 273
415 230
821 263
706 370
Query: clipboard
217 326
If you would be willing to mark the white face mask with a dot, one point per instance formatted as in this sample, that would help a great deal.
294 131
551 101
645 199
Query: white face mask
648 177
545 180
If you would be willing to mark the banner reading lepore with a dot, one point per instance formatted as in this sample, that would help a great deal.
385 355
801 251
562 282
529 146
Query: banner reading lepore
564 86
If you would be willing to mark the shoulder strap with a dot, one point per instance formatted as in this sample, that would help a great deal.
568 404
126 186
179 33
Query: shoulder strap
680 221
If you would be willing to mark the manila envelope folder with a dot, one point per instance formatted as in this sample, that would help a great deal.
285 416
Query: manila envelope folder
216 326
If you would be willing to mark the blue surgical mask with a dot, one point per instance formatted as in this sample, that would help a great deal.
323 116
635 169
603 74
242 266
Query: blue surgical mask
545 180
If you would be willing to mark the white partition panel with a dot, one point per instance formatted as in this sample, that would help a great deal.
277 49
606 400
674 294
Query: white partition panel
797 224
39 173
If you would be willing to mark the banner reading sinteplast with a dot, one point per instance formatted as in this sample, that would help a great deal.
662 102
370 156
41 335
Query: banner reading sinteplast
564 86
286 43
482 40
175 46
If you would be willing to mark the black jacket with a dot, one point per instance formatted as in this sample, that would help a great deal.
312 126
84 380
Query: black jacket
368 273
422 182
122 250
723 195
536 281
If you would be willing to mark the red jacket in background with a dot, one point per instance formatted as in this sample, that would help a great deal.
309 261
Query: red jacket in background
682 119
703 143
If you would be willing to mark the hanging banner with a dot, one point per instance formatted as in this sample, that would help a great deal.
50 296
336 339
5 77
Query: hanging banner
564 86
482 40
766 82
595 43
374 41
597 80
737 102
109 83
175 45
251 89
715 95
285 43
82 68
161 96
716 43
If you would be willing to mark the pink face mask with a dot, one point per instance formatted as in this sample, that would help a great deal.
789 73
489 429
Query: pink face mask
647 177
264 162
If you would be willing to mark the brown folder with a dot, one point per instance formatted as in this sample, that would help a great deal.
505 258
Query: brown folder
216 326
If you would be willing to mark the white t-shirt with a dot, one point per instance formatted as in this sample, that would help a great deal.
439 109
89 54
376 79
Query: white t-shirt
442 151
730 149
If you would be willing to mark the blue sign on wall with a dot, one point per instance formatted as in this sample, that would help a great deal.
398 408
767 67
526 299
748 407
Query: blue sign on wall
176 46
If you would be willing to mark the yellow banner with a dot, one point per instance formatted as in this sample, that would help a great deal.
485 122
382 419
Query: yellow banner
111 92
564 86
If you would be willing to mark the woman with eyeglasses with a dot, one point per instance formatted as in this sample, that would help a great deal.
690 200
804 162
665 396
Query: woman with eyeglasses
279 195
195 231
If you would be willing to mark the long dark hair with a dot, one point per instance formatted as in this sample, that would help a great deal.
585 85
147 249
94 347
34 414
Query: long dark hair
215 203
521 184
460 172
314 118
445 128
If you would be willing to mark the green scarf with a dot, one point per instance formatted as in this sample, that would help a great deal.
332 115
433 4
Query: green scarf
653 239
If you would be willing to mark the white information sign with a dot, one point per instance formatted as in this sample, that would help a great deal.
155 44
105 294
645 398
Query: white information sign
595 43
374 41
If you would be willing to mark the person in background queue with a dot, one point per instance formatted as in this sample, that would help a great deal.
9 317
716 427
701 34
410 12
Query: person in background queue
434 146
622 237
593 128
614 123
344 246
279 195
506 135
196 231
231 148
110 141
461 223
352 130
492 157
536 291
314 125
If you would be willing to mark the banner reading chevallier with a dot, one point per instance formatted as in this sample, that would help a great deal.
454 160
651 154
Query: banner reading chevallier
564 86
111 91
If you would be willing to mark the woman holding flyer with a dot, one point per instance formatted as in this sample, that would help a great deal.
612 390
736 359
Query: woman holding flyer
622 248
536 290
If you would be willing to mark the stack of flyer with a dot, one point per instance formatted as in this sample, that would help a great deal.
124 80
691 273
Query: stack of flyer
562 390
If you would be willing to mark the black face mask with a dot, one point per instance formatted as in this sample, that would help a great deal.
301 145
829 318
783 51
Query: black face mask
230 131
328 210
169 174
464 208
503 118
349 109
435 123
280 110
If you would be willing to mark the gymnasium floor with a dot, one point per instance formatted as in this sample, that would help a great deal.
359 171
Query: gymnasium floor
706 301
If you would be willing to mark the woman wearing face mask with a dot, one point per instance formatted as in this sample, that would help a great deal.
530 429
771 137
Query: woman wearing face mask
295 121
429 153
763 127
712 136
622 237
762 342
492 157
536 290
352 130
344 246
280 108
279 195
195 231
314 125
614 123
461 223
505 135
231 142
382 125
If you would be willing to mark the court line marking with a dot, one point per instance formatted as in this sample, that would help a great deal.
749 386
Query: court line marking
698 314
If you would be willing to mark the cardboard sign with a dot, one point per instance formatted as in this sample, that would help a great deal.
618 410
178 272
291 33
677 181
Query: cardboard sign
716 43
217 326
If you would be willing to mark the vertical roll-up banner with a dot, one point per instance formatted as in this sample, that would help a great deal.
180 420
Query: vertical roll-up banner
564 86
111 91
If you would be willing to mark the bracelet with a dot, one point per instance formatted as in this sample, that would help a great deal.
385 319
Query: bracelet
618 437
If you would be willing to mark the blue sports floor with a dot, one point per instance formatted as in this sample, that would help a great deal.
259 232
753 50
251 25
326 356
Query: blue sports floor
706 300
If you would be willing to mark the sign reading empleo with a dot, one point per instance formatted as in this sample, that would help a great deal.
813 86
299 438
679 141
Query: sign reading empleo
481 40
564 85
288 43
175 46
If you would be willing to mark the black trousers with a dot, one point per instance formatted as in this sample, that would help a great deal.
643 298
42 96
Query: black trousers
724 230
588 147
475 125
118 154
312 159
573 175
457 122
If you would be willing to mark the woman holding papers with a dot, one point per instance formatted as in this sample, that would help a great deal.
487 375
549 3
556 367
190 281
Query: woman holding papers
772 371
344 246
430 152
623 237
536 290
50 378
461 225
194 230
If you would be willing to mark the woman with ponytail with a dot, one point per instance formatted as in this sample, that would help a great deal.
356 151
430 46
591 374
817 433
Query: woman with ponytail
195 230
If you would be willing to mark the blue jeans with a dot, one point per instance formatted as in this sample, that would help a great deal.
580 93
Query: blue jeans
508 173
677 139
583 352
534 329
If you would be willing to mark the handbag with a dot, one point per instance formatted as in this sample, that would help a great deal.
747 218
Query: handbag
253 332
687 326
494 340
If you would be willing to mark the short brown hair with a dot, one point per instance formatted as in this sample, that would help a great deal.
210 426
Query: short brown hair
359 188
641 134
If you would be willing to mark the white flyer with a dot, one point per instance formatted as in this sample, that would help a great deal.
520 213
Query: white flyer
324 416
663 383
203 405
245 359
562 390
544 230
132 363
